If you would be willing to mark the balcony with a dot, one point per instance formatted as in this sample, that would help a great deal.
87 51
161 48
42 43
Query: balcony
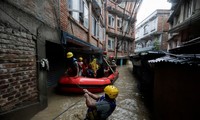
117 12
111 32
192 21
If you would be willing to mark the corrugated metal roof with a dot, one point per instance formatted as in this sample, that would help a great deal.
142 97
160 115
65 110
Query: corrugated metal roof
188 59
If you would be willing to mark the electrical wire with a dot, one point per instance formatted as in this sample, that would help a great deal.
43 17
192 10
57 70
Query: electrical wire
130 20
122 41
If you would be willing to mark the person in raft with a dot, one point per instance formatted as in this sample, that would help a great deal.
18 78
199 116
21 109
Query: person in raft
72 65
80 64
101 107
94 66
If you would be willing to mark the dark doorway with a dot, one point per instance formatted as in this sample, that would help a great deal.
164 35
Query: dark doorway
56 56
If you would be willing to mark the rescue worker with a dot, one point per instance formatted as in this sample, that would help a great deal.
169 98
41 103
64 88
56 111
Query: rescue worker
105 55
105 64
85 67
113 65
104 106
94 66
72 65
80 63
90 72
110 59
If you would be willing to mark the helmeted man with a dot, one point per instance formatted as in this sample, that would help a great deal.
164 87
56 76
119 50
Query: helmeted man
94 66
104 106
72 65
80 63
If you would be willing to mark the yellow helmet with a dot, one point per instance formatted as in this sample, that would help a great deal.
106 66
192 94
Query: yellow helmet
111 91
80 58
69 55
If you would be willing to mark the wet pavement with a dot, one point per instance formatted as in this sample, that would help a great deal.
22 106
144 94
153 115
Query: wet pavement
72 107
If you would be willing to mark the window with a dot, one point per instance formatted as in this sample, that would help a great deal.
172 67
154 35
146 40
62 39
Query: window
85 13
111 20
125 26
101 33
125 46
75 5
78 9
139 45
145 29
120 45
111 43
119 22
75 8
188 9
149 43
101 5
122 4
95 27
153 25
137 34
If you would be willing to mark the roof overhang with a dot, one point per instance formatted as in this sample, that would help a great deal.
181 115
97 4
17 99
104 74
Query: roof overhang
113 10
191 47
185 24
120 36
68 38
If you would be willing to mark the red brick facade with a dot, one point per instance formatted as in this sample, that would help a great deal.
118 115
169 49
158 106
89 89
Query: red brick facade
18 78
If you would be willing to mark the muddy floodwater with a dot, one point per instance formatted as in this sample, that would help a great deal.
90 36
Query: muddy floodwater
72 107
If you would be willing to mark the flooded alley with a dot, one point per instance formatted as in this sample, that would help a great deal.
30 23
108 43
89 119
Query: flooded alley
72 107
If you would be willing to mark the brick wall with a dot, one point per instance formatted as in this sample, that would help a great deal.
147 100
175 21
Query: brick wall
68 24
18 81
163 26
162 23
64 15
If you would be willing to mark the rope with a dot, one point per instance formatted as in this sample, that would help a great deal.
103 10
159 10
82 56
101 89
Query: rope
67 109
108 65
81 98
71 105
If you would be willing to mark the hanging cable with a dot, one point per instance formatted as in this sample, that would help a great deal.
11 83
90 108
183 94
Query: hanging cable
130 20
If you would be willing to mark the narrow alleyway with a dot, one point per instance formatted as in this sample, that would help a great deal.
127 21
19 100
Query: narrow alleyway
129 104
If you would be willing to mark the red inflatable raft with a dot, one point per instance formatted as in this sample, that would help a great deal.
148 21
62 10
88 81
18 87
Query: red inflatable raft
76 84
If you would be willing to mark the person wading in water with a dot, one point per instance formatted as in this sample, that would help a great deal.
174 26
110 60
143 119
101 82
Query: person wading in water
101 107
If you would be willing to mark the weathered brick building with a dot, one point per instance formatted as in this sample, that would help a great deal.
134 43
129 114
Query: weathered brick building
176 83
25 27
184 27
151 33
33 31
120 28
